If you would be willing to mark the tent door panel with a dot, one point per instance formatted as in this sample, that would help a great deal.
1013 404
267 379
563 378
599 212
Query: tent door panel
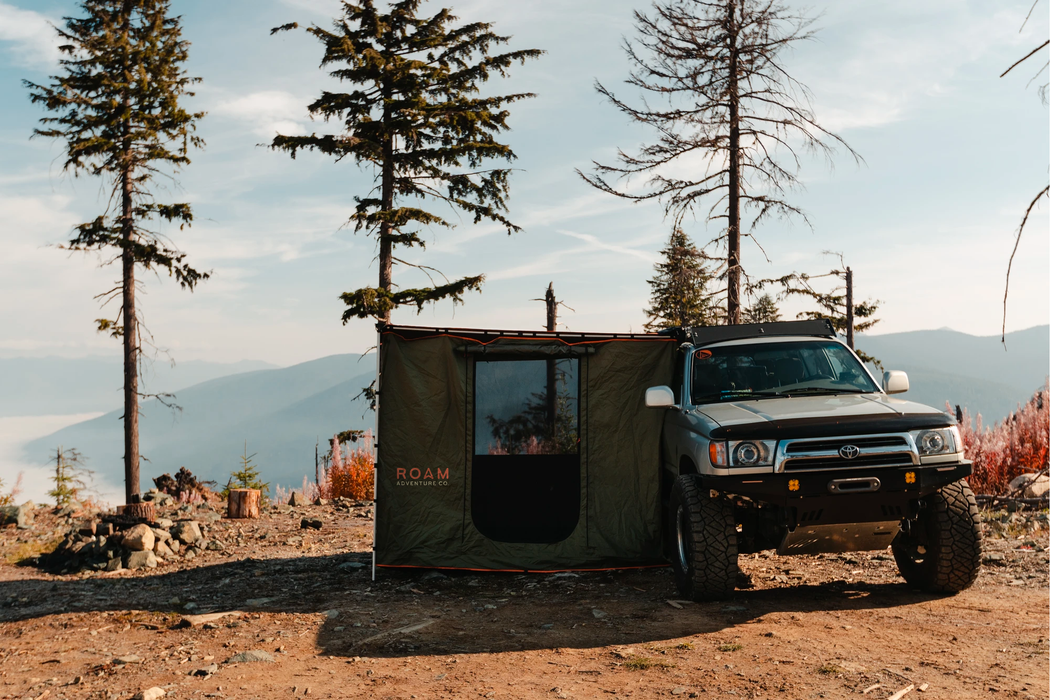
525 483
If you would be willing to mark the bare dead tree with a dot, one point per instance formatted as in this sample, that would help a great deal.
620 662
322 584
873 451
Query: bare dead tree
1045 192
726 109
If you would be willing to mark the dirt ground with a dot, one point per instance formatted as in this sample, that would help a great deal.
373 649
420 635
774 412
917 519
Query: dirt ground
825 626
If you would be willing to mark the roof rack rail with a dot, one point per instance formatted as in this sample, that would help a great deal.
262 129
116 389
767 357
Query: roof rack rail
705 335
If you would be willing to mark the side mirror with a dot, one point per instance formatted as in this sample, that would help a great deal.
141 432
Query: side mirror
895 382
659 397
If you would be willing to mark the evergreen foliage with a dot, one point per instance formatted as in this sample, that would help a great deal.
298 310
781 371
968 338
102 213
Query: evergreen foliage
247 477
764 310
679 295
714 87
414 115
116 103
69 478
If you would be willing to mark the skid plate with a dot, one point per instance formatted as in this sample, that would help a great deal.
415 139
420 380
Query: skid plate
844 537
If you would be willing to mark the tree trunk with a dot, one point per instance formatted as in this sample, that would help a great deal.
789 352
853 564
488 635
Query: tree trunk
733 229
849 308
140 511
243 503
386 247
130 330
552 379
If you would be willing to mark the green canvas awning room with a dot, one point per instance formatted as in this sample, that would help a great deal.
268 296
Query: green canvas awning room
519 451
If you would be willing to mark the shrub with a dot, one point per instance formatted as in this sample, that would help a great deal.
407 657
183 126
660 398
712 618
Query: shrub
352 472
7 499
184 487
1019 444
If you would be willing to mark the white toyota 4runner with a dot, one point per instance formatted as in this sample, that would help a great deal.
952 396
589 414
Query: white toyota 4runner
776 436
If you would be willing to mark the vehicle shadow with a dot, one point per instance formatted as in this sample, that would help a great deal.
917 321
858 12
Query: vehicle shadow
419 612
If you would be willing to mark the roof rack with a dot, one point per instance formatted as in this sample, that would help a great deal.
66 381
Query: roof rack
706 335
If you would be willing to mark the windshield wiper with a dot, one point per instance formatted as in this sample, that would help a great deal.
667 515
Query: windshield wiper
736 394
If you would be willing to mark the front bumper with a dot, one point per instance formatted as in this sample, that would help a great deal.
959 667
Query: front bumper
813 497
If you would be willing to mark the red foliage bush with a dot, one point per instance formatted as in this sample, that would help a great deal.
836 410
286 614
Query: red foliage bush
1020 444
352 472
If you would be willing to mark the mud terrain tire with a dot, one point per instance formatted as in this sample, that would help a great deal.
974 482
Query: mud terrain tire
942 554
704 544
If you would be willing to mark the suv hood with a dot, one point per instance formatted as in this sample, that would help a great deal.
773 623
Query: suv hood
841 414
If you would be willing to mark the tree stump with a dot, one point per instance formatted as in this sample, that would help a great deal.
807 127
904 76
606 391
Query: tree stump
243 503
144 512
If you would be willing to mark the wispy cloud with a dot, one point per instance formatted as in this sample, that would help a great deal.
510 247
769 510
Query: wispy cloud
33 40
266 113
595 243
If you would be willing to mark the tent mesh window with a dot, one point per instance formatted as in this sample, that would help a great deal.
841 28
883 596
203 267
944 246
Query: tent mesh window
525 484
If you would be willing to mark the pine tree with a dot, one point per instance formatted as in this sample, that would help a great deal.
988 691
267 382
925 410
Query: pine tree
764 310
247 477
716 87
70 477
117 108
415 116
679 294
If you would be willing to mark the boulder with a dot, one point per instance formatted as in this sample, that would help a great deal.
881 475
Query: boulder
162 550
21 516
139 538
314 523
153 693
161 534
297 499
140 560
186 531
1034 486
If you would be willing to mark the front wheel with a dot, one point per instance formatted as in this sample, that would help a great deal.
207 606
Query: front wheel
942 551
704 541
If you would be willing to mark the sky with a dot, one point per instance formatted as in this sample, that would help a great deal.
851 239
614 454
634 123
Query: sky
952 155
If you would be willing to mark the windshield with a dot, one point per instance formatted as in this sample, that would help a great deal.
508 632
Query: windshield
732 372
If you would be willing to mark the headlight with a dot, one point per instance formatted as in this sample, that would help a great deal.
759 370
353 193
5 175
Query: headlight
742 453
937 442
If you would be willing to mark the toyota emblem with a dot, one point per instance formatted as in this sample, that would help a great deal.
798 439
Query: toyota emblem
849 451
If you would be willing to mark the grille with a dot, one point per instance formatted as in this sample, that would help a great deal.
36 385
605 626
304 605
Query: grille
835 444
836 462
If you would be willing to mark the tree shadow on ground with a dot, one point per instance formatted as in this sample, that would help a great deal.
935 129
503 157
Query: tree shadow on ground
409 612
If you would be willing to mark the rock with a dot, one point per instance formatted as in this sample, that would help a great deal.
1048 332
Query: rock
162 550
253 656
161 534
144 559
149 694
1034 487
114 565
209 516
22 516
598 613
297 499
680 690
174 545
321 501
206 671
201 620
139 538
191 553
215 546
129 659
995 558
164 523
315 523
186 531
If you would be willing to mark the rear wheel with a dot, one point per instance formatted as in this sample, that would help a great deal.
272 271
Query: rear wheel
942 551
704 541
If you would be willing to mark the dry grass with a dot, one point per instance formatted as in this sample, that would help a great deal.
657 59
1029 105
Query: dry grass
642 663
730 647
28 550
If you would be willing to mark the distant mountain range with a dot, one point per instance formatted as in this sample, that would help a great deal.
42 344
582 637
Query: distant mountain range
36 386
282 412
976 372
